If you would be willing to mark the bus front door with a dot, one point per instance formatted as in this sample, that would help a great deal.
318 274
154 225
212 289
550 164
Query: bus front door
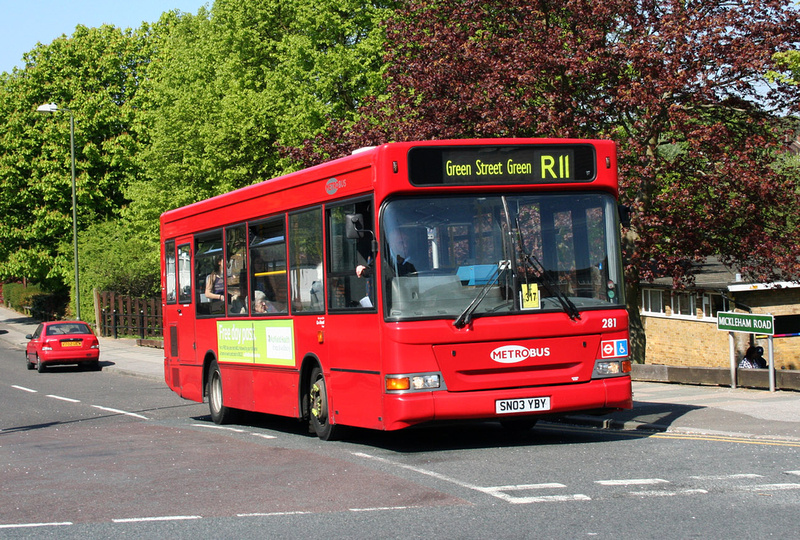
180 319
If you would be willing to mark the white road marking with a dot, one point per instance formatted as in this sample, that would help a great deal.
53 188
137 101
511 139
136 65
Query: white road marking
726 476
155 518
24 389
25 525
118 411
632 482
653 493
267 514
793 472
235 430
770 487
494 491
381 508
64 398
224 428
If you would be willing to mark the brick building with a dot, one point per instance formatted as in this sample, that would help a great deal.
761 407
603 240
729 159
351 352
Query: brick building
681 326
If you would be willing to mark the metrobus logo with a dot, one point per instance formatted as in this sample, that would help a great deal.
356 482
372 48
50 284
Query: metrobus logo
511 354
333 185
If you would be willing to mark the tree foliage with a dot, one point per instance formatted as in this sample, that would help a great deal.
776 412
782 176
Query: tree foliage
681 86
180 110
94 74
231 86
115 258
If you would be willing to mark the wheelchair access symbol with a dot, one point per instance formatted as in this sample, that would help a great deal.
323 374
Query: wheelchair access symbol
614 349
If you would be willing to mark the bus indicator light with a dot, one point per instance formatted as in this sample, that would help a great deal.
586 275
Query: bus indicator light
394 384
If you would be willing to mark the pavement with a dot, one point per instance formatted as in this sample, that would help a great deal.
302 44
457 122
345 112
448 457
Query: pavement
664 407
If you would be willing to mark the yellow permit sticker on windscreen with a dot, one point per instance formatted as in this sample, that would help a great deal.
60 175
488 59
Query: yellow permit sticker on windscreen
529 296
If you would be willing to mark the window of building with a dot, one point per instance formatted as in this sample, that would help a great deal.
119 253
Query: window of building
683 305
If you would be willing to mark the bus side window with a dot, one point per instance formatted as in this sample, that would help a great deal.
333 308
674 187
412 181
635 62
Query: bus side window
268 262
305 262
237 270
209 271
345 289
184 274
170 273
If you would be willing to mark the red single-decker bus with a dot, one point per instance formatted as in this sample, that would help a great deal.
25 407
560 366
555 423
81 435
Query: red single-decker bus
407 283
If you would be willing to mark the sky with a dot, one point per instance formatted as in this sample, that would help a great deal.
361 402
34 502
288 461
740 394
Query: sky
24 23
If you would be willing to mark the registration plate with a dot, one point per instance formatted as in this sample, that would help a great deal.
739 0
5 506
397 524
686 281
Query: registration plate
529 404
70 343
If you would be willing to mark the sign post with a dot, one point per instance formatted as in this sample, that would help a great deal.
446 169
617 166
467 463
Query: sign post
748 323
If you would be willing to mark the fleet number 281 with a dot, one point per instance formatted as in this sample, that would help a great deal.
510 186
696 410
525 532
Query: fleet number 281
610 323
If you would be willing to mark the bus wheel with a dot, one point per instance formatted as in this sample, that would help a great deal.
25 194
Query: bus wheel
518 425
220 414
319 416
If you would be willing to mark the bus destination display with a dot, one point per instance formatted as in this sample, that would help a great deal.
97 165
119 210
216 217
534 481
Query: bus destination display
481 165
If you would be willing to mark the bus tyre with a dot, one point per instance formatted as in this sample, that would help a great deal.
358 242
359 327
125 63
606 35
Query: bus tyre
220 414
319 415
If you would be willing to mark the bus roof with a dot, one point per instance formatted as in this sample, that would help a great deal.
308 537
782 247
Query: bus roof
327 181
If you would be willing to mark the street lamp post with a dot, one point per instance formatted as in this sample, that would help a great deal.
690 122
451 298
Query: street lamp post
53 108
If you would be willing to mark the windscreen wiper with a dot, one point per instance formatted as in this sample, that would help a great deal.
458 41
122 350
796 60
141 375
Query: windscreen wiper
466 315
533 263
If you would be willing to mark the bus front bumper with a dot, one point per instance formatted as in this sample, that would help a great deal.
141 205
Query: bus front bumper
404 410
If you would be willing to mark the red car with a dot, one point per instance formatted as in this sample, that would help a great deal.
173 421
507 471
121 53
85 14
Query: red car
62 342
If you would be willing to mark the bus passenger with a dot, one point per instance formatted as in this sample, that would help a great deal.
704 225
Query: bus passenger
215 281
261 304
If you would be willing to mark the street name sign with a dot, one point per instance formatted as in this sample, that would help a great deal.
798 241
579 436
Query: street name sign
746 322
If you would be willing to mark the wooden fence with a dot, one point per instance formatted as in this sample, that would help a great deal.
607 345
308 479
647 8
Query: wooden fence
120 315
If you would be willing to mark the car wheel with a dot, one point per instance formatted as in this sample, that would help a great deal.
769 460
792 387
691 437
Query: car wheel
40 365
319 415
28 362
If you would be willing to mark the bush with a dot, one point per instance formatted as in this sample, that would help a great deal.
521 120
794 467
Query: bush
45 306
48 306
17 295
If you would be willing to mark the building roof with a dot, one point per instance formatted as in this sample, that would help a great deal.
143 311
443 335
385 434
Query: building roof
714 275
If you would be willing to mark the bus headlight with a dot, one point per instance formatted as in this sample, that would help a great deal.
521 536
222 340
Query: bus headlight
414 382
611 368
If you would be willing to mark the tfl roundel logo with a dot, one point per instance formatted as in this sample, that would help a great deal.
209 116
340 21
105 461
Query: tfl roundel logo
333 185
614 349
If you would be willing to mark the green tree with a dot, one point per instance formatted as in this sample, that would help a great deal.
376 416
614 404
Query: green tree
679 85
116 258
231 86
95 73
